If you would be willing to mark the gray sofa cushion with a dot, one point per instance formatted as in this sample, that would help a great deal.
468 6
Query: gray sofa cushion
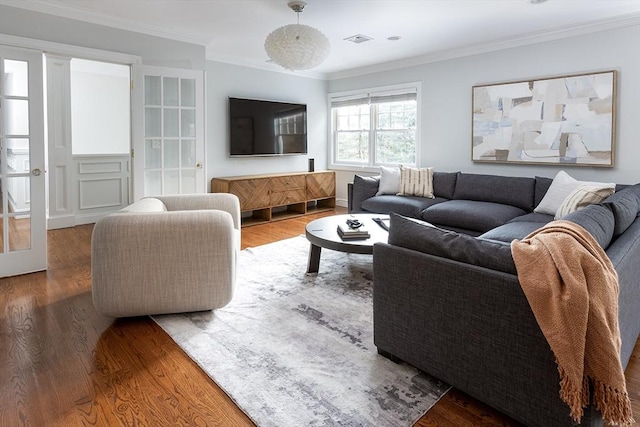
364 187
597 220
507 190
470 214
512 231
419 236
533 217
625 205
403 205
541 186
444 184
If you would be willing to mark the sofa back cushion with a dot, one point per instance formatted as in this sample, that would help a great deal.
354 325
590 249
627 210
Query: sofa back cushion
444 184
625 205
514 191
541 187
364 187
424 237
597 220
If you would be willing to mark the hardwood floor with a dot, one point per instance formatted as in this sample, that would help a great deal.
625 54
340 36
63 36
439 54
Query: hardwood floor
61 363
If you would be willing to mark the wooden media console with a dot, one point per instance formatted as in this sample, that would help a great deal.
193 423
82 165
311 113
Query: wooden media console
272 197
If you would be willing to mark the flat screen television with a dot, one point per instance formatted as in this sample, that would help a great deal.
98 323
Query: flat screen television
266 128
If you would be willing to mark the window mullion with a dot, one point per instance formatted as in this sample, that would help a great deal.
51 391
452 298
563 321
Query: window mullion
373 125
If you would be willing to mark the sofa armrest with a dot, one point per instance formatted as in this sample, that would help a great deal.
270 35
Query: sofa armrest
469 326
221 201
156 253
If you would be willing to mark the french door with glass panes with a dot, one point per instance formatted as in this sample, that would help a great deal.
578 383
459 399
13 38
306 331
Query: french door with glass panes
23 238
169 158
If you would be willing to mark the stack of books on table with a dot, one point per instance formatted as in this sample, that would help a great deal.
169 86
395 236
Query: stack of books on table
347 233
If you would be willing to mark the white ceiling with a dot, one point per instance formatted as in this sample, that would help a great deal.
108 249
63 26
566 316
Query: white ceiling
234 30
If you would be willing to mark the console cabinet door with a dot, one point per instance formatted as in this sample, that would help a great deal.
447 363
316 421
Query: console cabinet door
253 193
321 185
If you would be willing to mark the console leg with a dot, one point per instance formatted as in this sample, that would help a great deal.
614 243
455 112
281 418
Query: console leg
314 259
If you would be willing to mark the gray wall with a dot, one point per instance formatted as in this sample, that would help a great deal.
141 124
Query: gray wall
153 50
225 80
446 99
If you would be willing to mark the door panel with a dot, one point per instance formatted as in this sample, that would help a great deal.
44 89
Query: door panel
170 144
22 208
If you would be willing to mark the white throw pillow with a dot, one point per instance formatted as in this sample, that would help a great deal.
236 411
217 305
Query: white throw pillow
416 182
389 180
563 184
583 195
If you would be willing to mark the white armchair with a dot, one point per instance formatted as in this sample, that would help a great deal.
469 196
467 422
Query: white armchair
166 254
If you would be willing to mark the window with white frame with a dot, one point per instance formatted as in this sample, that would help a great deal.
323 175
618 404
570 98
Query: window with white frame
375 127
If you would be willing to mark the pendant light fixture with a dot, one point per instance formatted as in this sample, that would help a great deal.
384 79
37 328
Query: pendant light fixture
297 46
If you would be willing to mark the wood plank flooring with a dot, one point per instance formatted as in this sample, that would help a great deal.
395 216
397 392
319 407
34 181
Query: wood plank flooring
63 364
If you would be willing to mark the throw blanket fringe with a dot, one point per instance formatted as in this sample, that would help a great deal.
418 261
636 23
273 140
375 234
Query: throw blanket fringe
614 404
572 289
576 396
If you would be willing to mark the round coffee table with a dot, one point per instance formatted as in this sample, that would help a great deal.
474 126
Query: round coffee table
323 233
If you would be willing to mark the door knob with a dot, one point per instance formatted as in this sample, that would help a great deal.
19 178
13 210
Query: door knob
198 165
36 172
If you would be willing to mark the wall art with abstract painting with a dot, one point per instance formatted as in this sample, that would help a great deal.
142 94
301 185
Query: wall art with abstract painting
568 120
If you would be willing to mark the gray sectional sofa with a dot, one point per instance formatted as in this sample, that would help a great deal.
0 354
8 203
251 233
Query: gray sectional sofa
447 298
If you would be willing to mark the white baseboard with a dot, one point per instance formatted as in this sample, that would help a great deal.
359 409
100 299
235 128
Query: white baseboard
73 220
342 202
90 218
56 222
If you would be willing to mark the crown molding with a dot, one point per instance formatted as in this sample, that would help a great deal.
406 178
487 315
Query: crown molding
63 11
267 66
60 49
622 21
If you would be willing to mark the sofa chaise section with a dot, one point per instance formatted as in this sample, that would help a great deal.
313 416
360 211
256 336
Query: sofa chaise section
451 305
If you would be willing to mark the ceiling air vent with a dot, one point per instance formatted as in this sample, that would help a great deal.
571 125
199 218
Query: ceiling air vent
358 38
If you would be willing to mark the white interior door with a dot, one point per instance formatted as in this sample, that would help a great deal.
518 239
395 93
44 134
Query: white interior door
23 237
169 146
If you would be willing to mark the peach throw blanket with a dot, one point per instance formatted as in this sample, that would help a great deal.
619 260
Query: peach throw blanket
572 289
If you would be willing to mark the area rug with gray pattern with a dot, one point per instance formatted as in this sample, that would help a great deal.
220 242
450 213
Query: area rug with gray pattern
296 349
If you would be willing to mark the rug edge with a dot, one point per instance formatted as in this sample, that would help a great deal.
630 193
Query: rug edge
184 351
433 405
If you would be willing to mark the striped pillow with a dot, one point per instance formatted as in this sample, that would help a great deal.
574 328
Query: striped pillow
416 182
583 195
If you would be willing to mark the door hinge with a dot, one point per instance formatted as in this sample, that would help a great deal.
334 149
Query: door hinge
131 84
132 152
